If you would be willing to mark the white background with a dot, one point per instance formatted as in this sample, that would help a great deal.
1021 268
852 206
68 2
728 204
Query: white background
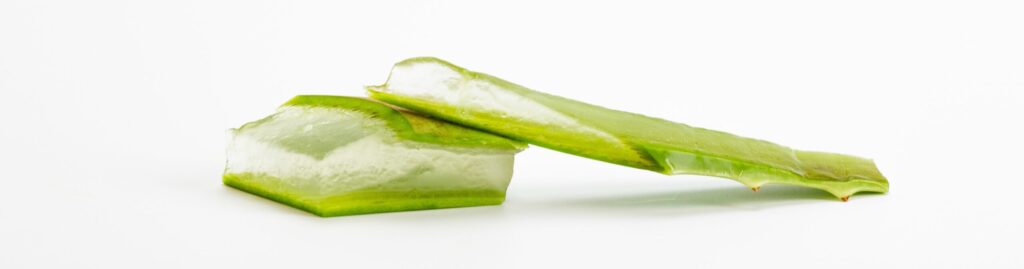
114 114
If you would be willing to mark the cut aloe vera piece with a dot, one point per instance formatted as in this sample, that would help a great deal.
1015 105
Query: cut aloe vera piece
332 156
435 87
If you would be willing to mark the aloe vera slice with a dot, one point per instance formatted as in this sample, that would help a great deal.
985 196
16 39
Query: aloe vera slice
435 87
333 156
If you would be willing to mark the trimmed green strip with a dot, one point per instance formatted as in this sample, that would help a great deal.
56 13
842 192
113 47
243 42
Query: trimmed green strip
444 90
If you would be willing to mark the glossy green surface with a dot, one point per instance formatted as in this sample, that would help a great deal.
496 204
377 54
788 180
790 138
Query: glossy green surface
366 201
621 137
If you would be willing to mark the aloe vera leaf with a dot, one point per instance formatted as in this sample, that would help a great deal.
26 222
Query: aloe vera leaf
436 87
333 156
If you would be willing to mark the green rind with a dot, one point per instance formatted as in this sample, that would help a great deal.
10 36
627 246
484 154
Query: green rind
411 126
365 202
656 144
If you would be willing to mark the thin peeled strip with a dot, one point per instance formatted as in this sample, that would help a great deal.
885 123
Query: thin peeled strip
441 89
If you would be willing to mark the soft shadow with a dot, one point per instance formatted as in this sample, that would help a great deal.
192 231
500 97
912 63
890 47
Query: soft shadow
678 203
428 216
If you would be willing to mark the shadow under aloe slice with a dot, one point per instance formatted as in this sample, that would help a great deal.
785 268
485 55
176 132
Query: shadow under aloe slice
441 89
332 156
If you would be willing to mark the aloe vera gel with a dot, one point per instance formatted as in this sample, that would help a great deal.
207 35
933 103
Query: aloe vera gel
332 156
438 136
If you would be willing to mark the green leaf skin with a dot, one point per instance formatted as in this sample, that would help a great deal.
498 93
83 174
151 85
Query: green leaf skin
334 156
441 89
365 202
